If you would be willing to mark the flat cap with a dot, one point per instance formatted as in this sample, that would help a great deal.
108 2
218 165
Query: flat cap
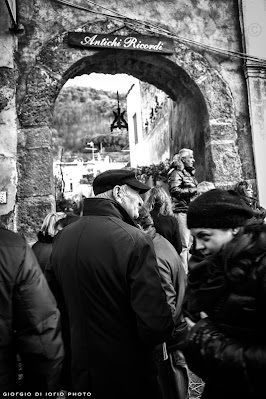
113 177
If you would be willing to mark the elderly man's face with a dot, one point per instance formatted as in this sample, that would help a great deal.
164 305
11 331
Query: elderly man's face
131 201
188 160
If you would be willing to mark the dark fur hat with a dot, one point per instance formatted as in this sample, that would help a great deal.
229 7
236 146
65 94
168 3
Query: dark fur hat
218 209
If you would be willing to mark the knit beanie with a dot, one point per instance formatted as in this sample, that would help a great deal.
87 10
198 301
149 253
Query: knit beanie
218 209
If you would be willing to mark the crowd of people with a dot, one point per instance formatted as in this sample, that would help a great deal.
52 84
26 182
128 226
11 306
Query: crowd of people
144 287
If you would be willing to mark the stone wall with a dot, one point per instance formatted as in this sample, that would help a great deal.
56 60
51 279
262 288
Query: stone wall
188 132
8 127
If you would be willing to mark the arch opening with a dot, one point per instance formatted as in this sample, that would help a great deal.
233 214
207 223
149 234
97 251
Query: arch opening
188 120
201 114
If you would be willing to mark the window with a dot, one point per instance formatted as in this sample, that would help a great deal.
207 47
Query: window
135 128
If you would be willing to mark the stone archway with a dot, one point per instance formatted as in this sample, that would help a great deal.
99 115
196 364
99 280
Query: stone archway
203 107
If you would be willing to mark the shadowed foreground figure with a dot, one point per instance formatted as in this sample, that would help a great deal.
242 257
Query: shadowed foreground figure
227 349
106 270
29 320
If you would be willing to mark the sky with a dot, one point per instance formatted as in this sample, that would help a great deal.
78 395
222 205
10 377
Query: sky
99 81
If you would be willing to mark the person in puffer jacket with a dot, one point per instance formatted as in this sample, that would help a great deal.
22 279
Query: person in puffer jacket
29 321
227 349
183 188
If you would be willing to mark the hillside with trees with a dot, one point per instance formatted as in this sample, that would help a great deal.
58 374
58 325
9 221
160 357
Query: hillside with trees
82 115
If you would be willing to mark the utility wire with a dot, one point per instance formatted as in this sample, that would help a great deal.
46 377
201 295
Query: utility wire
68 3
105 8
191 41
154 28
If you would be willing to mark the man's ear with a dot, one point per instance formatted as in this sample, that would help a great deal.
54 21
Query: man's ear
236 230
117 192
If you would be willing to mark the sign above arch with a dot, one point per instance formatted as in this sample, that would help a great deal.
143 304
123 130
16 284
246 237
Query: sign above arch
120 42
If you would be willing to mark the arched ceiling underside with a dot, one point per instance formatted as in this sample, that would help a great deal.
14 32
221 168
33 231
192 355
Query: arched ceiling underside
151 68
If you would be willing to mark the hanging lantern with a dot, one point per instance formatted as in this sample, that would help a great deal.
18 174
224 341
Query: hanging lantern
119 120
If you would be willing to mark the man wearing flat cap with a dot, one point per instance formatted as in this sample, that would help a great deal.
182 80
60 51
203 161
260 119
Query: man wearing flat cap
107 270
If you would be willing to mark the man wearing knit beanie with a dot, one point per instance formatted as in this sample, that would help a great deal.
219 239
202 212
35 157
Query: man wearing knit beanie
214 218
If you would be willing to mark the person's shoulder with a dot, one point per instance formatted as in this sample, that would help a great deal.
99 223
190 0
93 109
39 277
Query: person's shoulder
10 238
169 219
13 248
177 172
130 229
158 237
162 242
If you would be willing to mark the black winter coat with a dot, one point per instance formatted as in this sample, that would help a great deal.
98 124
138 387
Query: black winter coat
106 268
168 227
29 320
173 278
43 249
228 349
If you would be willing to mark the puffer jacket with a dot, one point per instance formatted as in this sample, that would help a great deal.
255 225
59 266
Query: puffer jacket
182 187
29 320
230 345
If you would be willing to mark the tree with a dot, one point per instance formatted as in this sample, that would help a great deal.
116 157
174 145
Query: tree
82 112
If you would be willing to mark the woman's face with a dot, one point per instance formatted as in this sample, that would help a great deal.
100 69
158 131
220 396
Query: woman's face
209 241
248 192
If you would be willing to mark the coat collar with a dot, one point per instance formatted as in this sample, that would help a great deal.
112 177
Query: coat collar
45 238
106 207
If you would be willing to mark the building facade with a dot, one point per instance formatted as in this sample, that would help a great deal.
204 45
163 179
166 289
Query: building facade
148 110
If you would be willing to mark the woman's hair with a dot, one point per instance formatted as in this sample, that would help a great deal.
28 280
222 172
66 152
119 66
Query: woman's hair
49 222
145 219
158 198
241 186
176 163
205 186
70 218
185 152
